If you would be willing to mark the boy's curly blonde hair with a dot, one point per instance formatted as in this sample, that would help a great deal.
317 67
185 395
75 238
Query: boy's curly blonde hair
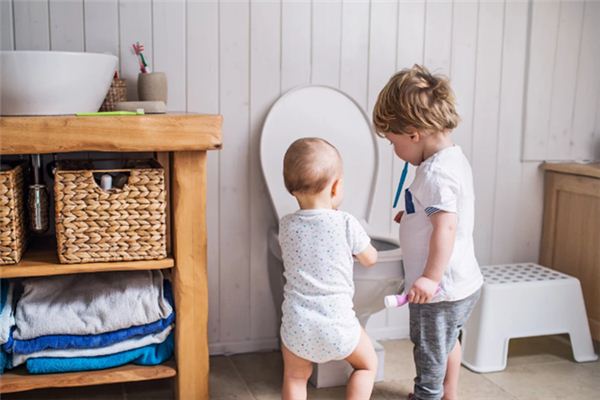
415 99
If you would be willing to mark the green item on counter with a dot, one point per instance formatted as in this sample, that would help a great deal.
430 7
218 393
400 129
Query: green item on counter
139 111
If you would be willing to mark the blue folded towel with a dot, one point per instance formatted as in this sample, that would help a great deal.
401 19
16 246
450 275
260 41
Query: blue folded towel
62 342
153 354
3 361
130 344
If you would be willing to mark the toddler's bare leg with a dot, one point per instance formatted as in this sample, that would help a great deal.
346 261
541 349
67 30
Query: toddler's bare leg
364 361
296 371
452 371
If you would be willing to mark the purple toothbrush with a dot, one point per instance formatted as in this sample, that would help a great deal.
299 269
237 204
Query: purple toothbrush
398 300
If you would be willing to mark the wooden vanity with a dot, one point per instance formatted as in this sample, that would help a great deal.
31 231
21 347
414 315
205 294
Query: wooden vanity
571 233
180 142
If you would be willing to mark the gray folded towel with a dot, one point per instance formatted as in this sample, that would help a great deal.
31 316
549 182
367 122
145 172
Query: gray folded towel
88 304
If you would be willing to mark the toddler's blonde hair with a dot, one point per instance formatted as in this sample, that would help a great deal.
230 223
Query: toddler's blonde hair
415 99
309 165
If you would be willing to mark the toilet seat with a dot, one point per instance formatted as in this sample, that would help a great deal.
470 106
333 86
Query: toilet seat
324 112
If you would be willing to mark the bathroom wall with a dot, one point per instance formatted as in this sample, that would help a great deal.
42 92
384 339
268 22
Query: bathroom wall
525 74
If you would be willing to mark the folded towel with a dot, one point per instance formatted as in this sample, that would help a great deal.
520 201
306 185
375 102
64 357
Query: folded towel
7 317
153 354
63 342
130 344
89 304
3 361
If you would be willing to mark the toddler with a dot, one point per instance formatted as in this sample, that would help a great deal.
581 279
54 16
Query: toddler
415 111
318 243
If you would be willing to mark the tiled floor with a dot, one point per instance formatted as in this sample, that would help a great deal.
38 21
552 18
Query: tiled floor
538 368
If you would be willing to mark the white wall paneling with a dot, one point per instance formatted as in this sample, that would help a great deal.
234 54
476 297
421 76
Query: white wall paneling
234 240
584 142
525 74
169 48
265 88
485 120
135 25
7 37
66 25
465 24
31 25
203 96
383 36
101 23
296 43
562 85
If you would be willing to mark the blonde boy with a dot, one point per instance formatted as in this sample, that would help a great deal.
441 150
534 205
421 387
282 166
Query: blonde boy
318 243
415 111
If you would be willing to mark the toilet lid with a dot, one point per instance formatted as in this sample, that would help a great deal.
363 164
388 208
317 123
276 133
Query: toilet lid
320 111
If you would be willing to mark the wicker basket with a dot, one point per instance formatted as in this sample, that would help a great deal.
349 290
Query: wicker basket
93 225
116 93
13 226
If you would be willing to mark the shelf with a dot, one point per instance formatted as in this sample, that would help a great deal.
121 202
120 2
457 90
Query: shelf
140 133
40 259
19 380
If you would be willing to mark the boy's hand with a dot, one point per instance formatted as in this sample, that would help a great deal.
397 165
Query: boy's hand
398 216
422 291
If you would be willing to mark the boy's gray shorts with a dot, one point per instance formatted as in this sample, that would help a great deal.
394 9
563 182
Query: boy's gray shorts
434 330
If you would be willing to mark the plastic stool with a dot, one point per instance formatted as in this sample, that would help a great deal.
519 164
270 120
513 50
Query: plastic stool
521 300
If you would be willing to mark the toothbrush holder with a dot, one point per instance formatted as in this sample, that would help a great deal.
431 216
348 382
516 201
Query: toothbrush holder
152 86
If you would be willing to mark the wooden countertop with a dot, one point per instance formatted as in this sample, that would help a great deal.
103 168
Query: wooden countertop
585 169
139 133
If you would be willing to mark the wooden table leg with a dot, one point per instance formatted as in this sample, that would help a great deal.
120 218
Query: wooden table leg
188 183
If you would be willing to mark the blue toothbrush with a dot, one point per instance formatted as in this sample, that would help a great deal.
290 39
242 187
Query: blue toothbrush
401 184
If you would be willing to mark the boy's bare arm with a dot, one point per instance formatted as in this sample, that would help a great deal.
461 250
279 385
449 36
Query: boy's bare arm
441 244
368 257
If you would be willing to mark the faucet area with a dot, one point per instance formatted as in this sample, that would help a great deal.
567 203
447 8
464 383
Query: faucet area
299 199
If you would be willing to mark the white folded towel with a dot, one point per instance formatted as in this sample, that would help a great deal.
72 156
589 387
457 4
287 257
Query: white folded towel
129 344
88 304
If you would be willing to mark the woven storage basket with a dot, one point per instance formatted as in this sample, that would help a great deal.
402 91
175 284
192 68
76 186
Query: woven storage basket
93 225
116 93
13 226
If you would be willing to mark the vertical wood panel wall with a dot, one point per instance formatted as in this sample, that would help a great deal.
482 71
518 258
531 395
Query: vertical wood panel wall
525 75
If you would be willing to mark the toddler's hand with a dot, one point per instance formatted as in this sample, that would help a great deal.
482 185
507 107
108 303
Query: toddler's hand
422 291
398 216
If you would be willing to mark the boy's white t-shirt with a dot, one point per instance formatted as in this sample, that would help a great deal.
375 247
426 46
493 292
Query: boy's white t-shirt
443 182
317 245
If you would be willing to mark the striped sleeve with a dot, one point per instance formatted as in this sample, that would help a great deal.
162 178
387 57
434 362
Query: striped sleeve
431 210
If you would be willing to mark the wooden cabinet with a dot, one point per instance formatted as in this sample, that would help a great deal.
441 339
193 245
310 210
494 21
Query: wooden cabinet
571 232
180 142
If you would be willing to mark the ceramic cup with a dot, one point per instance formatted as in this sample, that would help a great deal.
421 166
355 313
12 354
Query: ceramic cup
152 87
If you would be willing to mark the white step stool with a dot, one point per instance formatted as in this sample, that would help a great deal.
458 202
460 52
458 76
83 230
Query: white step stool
521 300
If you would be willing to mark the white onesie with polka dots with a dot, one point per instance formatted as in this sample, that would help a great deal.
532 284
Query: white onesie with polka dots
319 323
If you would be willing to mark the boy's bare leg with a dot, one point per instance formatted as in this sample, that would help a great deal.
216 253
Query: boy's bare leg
296 371
364 361
452 371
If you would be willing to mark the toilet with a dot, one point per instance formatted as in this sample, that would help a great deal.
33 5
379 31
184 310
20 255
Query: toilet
320 111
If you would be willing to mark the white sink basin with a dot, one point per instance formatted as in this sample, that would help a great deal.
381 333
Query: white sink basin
53 82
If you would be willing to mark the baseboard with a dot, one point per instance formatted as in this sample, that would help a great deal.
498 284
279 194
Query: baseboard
250 346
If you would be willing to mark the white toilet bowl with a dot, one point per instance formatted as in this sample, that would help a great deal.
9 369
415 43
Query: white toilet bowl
325 112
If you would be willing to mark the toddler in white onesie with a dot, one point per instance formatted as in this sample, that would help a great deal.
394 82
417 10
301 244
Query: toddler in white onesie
318 243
